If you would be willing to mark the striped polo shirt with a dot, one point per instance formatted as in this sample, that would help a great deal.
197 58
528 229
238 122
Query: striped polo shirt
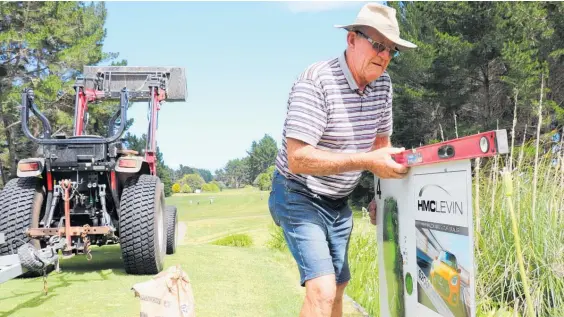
326 109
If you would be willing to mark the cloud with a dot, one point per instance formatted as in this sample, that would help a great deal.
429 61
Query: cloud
320 6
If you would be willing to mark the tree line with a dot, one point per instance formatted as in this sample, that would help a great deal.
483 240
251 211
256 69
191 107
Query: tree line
479 66
254 169
44 46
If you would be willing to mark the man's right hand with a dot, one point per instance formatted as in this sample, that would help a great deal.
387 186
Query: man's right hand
381 163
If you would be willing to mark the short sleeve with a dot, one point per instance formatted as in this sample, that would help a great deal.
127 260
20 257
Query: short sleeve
307 112
386 124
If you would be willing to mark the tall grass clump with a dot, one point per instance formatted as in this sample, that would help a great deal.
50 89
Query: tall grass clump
363 263
540 231
235 240
276 240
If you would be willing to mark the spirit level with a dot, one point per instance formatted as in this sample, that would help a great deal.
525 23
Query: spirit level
425 229
479 145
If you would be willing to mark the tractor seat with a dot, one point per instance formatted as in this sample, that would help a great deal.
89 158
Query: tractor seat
85 137
127 152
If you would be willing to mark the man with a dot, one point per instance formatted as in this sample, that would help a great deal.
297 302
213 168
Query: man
339 122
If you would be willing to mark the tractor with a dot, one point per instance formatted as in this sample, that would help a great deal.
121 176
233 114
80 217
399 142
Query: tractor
83 190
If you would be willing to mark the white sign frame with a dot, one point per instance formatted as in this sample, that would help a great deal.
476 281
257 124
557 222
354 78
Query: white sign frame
433 210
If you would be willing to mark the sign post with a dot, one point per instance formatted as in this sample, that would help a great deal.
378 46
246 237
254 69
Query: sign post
425 229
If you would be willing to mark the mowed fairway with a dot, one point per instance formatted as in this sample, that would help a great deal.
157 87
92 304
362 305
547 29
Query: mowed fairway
227 281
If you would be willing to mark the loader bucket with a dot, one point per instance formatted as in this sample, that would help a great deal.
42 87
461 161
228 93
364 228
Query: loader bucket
136 79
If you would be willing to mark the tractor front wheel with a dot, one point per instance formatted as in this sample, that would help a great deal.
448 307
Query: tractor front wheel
142 225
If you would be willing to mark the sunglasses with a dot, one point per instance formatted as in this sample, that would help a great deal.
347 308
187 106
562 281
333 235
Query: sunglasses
379 47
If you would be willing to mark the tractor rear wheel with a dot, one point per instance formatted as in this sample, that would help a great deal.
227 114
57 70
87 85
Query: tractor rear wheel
21 203
171 229
143 225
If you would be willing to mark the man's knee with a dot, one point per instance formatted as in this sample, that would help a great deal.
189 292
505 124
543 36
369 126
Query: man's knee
321 291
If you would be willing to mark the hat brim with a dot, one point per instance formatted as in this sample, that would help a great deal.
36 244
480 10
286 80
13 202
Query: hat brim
401 44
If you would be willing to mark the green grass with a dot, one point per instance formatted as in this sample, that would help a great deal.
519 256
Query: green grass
363 263
262 279
226 280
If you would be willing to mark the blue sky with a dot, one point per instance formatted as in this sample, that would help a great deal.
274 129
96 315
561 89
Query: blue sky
241 59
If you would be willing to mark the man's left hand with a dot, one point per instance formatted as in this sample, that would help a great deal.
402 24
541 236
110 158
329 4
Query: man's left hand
372 211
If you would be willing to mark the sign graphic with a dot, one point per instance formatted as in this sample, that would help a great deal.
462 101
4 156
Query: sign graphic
425 230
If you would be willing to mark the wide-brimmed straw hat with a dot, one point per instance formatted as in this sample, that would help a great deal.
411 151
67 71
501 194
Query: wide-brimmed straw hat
383 19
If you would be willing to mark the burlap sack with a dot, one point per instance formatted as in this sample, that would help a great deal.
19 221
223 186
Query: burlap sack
168 294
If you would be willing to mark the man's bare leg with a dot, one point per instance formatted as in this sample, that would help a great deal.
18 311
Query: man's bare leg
338 302
320 295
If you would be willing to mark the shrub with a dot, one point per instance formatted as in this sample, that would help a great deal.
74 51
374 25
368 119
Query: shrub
276 241
195 181
210 187
176 188
235 240
264 180
221 185
186 188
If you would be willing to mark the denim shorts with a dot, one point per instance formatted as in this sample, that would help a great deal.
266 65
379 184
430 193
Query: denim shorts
316 228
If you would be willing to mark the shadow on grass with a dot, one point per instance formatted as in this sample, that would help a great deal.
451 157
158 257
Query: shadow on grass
106 261
103 258
39 299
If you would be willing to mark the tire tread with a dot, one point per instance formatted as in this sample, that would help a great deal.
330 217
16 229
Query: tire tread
137 219
16 204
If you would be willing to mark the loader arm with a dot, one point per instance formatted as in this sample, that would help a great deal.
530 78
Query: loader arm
157 96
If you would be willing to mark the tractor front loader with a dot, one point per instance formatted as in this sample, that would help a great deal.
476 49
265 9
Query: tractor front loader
89 189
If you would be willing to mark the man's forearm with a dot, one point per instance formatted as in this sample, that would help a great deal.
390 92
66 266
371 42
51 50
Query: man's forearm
381 141
305 159
318 162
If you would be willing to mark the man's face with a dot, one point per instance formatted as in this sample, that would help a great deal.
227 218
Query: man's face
368 63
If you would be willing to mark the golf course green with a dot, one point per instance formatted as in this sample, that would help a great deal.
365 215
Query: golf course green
250 280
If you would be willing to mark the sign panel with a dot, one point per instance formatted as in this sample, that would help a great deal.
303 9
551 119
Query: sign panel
425 238
425 229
